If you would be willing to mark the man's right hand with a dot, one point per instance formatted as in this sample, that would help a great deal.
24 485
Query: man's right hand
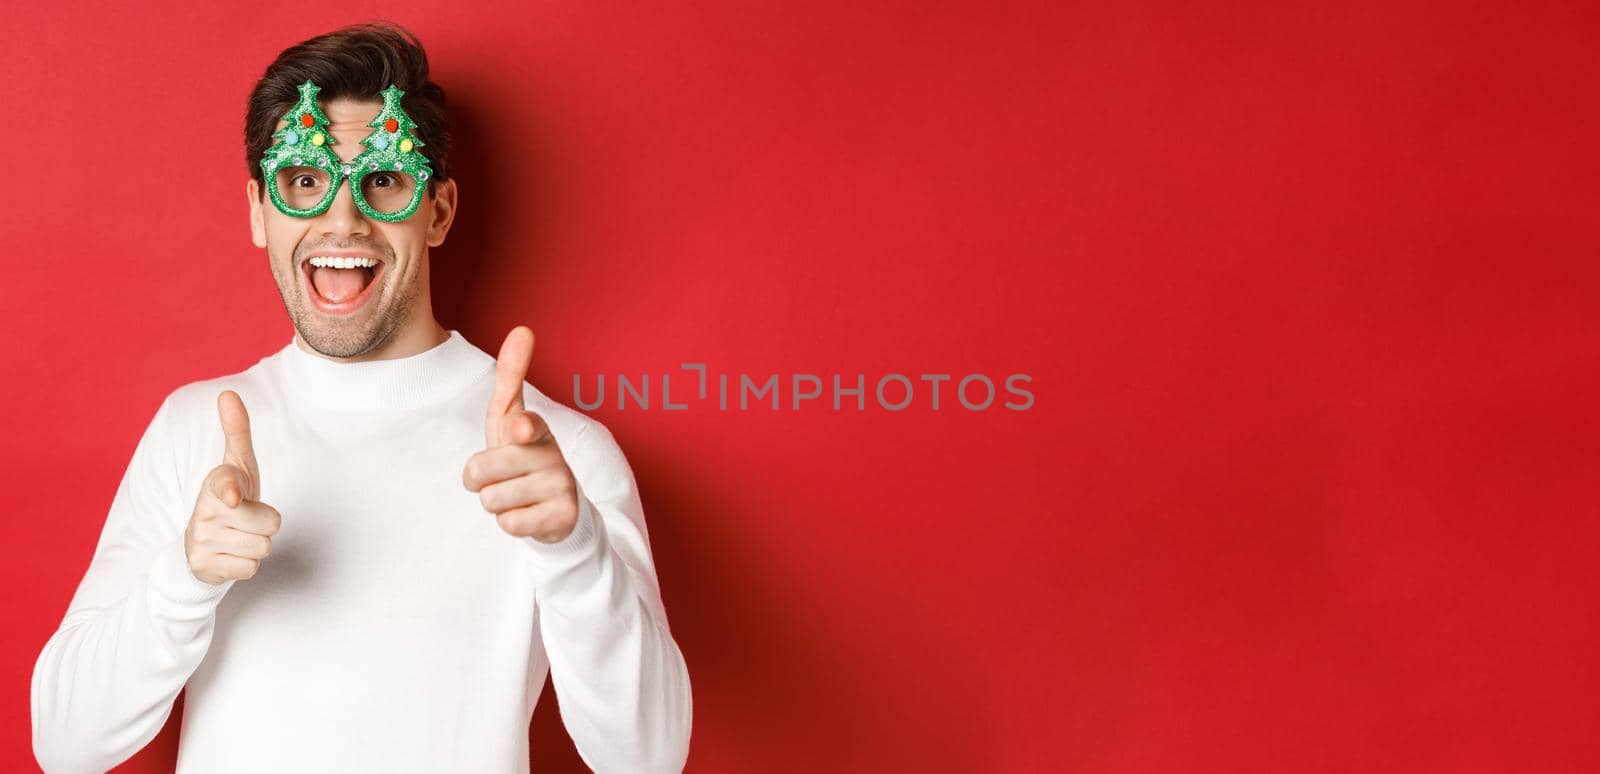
231 531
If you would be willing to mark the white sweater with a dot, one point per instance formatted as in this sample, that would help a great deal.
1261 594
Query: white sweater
394 627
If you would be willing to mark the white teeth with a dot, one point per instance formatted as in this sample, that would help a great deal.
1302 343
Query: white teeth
339 262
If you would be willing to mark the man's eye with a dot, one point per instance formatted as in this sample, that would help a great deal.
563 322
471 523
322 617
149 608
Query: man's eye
305 181
383 180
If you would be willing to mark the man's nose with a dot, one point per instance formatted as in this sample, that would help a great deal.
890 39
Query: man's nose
343 216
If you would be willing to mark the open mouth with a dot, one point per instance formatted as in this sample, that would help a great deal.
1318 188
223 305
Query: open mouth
340 284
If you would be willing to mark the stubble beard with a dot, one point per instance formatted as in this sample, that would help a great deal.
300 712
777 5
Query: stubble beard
346 337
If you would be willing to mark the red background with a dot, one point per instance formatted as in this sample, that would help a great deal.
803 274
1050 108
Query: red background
1307 294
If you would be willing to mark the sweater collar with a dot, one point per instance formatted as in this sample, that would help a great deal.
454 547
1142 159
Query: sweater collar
384 385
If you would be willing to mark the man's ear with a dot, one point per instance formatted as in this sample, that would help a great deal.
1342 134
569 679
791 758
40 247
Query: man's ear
258 227
441 211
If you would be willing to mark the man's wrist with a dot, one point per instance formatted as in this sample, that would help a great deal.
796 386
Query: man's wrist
171 578
577 543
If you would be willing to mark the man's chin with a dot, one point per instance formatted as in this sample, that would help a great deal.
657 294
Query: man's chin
339 337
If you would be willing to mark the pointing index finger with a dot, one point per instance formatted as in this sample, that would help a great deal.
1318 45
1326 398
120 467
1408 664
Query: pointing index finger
237 446
511 370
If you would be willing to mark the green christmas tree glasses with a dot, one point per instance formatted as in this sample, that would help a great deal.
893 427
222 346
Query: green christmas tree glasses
303 174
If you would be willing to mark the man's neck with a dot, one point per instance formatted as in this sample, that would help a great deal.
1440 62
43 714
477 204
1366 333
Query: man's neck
412 341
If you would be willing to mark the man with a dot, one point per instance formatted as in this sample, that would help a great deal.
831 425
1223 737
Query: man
364 552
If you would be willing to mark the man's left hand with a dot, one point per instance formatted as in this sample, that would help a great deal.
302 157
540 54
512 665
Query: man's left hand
520 476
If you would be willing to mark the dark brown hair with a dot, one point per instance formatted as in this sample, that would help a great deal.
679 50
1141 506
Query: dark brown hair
357 62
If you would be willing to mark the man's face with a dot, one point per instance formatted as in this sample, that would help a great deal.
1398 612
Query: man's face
351 312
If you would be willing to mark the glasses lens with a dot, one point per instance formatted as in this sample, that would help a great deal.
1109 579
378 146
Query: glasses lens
388 191
302 187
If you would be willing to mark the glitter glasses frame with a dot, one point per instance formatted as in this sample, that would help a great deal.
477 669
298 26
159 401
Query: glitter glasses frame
356 170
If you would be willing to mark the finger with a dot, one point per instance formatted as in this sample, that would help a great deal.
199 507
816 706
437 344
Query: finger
226 483
537 521
524 427
235 542
236 567
522 491
255 518
503 462
238 448
511 370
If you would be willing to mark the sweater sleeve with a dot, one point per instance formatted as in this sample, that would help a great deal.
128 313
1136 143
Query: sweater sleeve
621 681
136 628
